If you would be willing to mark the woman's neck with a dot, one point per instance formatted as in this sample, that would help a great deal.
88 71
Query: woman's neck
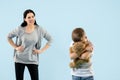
30 28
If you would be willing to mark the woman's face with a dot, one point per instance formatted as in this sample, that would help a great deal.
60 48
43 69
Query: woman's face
30 19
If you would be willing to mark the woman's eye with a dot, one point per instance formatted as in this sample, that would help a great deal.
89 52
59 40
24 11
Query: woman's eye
28 17
32 16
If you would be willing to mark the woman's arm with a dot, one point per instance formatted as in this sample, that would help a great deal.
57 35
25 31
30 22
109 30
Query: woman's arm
13 34
12 43
42 49
18 48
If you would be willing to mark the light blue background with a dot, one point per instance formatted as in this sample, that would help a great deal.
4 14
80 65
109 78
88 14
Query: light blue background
99 18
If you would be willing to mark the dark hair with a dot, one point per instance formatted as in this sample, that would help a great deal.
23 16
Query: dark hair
24 23
77 34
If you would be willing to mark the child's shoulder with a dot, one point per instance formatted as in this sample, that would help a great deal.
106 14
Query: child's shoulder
71 44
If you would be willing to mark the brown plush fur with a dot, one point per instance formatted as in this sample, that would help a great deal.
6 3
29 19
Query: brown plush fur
79 49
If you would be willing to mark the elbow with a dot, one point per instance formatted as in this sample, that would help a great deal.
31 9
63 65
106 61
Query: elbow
72 56
49 42
9 39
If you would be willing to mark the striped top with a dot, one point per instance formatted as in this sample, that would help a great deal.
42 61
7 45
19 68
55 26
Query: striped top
84 69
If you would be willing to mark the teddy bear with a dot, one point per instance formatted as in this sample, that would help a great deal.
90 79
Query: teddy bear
79 48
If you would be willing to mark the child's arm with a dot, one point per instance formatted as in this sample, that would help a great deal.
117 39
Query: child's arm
73 55
85 55
88 52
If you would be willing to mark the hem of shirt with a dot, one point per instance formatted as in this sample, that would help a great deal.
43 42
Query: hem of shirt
86 75
27 62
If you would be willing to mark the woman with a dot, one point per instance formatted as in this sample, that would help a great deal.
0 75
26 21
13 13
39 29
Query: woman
83 71
27 49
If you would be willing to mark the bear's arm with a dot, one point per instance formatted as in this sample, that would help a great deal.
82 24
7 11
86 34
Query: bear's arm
72 54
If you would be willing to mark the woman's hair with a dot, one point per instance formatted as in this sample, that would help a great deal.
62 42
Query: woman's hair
24 23
77 34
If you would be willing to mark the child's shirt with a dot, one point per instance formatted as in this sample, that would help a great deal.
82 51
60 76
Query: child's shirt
83 70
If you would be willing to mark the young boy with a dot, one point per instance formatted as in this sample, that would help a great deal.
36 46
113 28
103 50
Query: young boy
83 70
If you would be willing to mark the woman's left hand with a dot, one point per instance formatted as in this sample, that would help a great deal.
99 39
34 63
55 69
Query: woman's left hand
36 51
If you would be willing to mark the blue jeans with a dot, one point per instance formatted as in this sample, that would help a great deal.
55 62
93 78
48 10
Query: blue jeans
82 78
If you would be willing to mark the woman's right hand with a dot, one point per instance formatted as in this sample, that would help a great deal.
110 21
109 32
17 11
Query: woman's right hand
19 48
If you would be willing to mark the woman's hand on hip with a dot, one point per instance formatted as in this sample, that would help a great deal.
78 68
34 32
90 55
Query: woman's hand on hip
36 51
19 48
